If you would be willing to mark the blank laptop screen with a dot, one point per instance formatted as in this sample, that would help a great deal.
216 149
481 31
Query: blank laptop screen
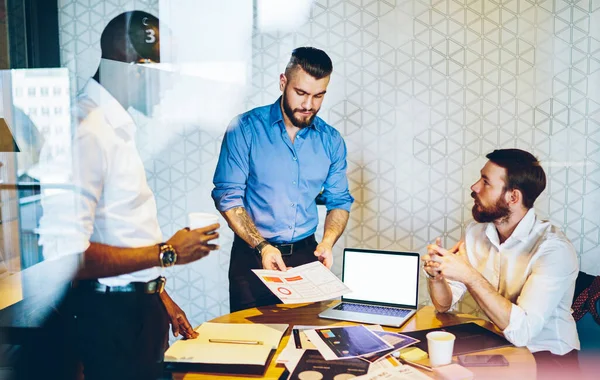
381 277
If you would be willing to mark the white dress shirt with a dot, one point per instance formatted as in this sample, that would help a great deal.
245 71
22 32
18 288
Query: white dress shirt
112 203
535 269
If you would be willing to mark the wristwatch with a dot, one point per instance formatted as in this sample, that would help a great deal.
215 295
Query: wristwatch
428 276
259 247
166 255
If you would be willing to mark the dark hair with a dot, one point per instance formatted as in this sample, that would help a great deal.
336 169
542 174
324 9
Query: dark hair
523 172
312 60
131 37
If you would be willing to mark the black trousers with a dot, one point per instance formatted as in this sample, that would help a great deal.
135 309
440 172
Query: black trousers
119 335
245 289
550 366
47 351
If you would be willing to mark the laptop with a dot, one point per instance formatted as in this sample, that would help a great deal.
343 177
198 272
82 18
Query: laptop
384 284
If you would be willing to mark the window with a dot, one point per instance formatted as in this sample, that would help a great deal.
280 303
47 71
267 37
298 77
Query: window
31 91
44 91
57 91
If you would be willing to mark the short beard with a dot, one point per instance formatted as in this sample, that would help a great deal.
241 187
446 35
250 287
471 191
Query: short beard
499 212
289 112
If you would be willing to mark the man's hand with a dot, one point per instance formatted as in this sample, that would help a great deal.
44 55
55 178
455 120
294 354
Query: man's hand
430 266
192 245
453 266
325 254
271 259
178 319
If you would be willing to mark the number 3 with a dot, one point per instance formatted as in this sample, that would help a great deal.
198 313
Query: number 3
150 38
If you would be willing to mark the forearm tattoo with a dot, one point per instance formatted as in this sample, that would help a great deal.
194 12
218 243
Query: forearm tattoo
246 227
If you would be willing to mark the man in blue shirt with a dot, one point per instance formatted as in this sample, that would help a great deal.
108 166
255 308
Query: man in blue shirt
275 160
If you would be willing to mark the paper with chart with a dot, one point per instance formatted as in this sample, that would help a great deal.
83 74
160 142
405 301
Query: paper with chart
299 342
346 342
311 282
399 341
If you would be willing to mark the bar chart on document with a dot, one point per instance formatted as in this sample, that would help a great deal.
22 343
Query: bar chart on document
311 282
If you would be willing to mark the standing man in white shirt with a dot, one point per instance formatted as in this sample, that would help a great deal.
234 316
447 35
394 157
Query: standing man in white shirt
520 270
119 309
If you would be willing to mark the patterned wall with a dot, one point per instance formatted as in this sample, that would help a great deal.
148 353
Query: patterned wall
421 91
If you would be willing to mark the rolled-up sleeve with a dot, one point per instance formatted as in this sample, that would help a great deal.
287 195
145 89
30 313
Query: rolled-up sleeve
458 290
553 273
335 189
68 220
232 169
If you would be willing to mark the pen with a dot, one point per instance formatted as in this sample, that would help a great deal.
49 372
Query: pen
422 366
236 341
296 337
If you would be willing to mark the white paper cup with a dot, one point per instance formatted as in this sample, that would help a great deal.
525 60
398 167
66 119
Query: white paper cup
201 219
440 345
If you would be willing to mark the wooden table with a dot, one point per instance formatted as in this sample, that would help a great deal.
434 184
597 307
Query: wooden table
522 363
27 298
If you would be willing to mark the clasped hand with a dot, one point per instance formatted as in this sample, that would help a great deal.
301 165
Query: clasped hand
452 264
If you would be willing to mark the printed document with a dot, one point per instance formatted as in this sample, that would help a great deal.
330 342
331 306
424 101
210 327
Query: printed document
311 282
313 366
299 342
346 342
399 341
402 372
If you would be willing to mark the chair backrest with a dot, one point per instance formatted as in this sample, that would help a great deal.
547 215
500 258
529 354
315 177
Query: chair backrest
585 312
587 294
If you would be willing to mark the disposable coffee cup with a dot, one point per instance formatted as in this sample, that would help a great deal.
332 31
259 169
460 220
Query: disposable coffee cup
440 345
202 219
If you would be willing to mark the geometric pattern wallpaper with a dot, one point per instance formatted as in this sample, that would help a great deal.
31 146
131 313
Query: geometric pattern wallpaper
421 92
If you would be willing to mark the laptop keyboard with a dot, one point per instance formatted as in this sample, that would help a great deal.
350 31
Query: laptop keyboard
372 309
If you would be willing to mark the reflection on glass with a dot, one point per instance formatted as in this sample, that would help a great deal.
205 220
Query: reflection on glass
36 108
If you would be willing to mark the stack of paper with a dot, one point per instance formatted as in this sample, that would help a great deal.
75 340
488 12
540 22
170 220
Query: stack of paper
357 342
347 342
333 350
397 341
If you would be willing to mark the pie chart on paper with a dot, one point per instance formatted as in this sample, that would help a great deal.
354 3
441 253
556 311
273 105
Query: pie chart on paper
284 291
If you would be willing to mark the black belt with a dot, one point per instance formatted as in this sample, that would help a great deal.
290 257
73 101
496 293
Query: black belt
150 287
286 249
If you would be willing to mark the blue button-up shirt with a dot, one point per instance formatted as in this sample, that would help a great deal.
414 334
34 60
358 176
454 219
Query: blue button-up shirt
276 180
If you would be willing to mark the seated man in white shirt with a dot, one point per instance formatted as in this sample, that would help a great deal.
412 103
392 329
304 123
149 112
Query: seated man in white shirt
519 269
119 311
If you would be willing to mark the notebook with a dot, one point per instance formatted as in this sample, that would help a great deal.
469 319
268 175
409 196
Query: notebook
384 284
244 348
470 337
